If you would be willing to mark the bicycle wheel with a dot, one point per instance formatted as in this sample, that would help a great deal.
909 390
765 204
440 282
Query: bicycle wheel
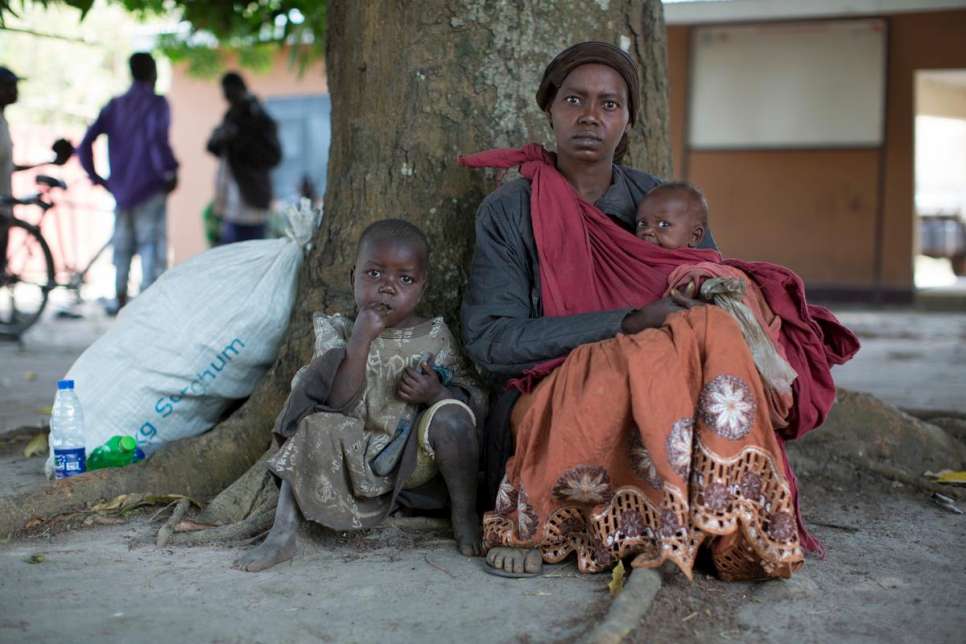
26 278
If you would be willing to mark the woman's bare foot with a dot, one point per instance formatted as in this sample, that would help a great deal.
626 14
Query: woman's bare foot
279 546
466 529
518 561
274 550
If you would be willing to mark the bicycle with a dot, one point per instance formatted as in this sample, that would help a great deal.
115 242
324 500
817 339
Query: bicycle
27 270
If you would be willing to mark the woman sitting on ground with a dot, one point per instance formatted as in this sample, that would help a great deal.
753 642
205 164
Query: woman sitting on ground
640 426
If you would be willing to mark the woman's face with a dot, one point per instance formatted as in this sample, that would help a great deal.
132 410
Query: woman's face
590 114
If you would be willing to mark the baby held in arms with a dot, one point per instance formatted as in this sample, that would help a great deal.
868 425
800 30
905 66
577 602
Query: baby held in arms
675 215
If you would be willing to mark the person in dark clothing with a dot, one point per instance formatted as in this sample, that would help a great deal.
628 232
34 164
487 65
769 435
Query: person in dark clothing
642 427
504 328
144 172
247 146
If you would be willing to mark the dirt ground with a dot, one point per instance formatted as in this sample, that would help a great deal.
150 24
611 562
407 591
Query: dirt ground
895 570
894 573
391 585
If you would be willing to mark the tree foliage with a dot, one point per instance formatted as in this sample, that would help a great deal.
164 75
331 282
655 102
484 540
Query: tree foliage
250 30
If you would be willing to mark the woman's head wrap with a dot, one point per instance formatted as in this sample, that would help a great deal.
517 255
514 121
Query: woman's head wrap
587 53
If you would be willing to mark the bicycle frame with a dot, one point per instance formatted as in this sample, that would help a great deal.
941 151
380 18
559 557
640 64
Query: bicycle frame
27 269
76 277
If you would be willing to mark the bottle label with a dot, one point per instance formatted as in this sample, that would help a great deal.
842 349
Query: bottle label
69 462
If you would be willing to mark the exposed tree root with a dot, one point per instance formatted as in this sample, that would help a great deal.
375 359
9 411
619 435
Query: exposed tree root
259 522
14 439
929 415
164 534
895 474
253 489
198 467
229 462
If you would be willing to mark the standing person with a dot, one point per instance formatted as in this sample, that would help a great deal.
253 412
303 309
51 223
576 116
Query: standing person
8 96
143 173
246 144
627 439
62 148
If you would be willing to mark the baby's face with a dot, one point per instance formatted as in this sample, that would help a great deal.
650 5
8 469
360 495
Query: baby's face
668 219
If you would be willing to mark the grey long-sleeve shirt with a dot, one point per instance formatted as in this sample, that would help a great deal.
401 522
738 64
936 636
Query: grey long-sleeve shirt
504 330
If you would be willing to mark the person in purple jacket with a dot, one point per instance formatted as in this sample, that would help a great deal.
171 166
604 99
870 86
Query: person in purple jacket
143 172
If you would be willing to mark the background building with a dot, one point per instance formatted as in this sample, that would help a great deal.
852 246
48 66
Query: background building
799 121
299 102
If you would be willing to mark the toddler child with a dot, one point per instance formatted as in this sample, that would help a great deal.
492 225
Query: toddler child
385 409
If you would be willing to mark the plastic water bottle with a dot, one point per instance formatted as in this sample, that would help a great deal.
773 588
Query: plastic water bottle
67 432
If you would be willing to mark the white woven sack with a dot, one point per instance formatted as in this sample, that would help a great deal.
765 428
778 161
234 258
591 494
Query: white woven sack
198 339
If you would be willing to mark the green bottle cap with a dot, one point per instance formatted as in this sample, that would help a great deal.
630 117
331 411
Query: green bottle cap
128 444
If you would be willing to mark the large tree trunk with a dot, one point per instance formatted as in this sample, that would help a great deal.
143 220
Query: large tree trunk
414 85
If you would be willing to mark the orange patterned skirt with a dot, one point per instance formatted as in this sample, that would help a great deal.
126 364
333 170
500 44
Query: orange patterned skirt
651 445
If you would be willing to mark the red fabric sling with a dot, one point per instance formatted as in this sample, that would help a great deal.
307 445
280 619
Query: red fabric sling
589 263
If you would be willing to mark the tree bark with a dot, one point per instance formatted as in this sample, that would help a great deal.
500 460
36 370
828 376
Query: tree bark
416 84
413 85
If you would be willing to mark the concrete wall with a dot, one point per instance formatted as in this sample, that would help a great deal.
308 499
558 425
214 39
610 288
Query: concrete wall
934 97
678 67
818 211
197 107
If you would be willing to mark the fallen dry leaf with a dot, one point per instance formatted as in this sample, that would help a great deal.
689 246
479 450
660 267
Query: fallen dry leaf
616 584
128 502
952 476
37 446
114 504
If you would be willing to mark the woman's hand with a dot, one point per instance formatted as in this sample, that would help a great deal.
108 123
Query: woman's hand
654 314
420 385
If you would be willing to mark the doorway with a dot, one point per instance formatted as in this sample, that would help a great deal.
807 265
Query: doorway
940 179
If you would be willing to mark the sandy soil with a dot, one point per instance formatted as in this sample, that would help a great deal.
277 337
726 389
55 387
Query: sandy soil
895 569
390 585
895 572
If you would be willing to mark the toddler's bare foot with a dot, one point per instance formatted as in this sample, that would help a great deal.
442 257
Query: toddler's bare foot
466 529
280 544
453 437
516 560
278 547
